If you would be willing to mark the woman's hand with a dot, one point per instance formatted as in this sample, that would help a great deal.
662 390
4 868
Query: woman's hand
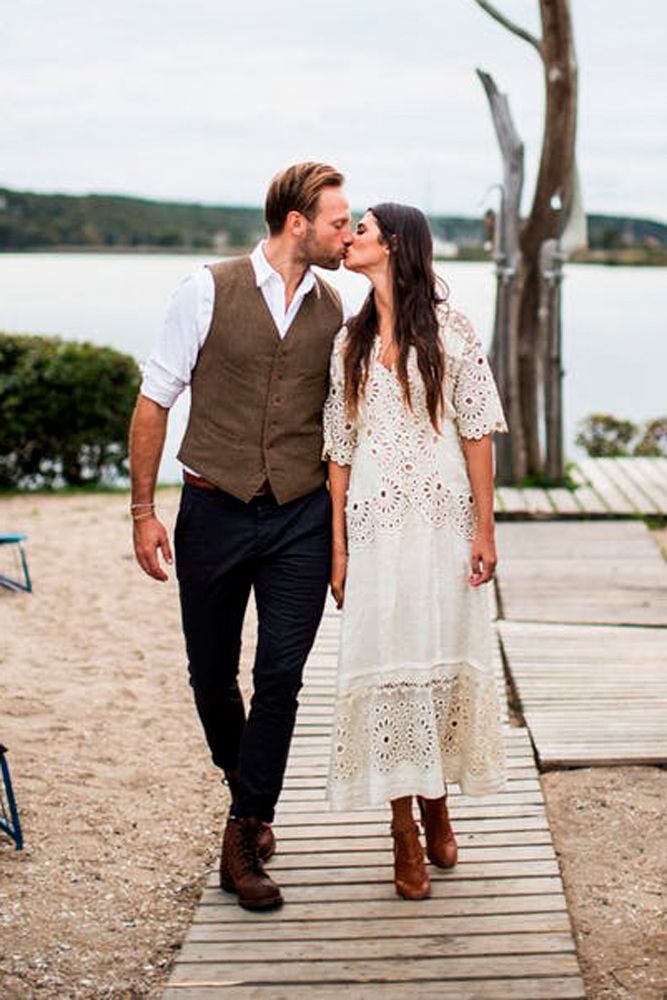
338 575
483 558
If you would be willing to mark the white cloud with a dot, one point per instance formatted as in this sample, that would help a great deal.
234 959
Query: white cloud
206 101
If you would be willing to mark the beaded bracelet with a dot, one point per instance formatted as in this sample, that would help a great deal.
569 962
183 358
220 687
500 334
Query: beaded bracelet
143 517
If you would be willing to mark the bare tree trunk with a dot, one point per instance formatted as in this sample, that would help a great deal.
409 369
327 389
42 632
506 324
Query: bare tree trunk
510 452
550 210
551 206
551 259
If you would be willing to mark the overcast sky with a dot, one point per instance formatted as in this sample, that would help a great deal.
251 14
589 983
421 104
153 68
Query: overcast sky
204 100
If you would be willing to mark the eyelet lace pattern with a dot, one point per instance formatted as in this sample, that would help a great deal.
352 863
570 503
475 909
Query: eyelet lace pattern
414 467
425 726
417 705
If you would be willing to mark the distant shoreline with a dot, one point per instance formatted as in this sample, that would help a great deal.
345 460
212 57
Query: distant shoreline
626 257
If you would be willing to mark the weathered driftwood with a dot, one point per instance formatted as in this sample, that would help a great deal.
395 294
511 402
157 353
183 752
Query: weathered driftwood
505 343
535 343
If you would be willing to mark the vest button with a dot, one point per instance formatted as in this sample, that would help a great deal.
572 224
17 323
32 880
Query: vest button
276 400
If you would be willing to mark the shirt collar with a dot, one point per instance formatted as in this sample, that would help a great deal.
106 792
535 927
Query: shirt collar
264 272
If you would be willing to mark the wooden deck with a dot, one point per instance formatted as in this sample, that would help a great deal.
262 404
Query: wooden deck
495 927
581 572
582 614
594 692
606 487
590 694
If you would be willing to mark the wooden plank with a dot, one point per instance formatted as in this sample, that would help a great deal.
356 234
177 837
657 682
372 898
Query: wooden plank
512 500
383 970
644 473
480 826
366 947
472 842
468 870
565 501
537 501
560 540
528 988
355 909
628 485
389 927
615 500
586 496
454 886
304 859
653 476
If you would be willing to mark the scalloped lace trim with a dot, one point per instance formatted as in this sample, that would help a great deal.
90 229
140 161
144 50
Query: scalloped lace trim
418 731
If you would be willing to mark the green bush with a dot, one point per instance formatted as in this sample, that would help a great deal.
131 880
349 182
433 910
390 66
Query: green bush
65 409
653 441
603 436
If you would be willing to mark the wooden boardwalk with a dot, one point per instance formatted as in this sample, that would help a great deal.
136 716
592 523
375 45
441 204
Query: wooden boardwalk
605 487
581 572
592 685
495 927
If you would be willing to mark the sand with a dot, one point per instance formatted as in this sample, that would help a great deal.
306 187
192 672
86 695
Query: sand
122 810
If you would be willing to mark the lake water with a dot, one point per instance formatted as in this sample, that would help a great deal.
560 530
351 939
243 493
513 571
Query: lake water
614 325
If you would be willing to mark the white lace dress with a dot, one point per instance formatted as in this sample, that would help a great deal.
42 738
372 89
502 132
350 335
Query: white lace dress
416 700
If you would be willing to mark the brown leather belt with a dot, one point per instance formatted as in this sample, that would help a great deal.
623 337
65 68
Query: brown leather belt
204 484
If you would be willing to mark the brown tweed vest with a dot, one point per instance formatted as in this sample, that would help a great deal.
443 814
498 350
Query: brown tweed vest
256 410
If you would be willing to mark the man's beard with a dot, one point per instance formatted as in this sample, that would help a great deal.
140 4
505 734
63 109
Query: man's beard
313 253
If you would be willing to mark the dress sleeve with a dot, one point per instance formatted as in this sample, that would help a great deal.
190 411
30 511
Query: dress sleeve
476 400
340 434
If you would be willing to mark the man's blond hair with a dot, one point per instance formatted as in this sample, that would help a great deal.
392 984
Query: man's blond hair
297 189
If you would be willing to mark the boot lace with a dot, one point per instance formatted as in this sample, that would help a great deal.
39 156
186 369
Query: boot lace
248 850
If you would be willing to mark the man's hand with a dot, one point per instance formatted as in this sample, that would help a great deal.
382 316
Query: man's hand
338 575
150 535
483 559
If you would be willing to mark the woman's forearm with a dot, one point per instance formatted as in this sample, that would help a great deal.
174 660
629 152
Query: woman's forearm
339 479
479 460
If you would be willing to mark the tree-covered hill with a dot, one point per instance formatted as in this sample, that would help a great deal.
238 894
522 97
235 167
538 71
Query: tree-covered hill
31 221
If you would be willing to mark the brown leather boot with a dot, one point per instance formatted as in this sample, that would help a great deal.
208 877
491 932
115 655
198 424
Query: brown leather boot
410 875
241 870
441 846
266 841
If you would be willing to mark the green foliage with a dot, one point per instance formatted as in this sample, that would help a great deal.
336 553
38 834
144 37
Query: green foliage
31 221
603 436
653 441
64 411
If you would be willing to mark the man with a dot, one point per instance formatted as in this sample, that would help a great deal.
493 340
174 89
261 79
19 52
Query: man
252 337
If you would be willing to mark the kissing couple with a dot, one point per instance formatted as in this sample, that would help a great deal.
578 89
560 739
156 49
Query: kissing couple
326 449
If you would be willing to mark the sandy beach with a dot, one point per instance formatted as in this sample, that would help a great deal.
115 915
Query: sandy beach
122 809
120 806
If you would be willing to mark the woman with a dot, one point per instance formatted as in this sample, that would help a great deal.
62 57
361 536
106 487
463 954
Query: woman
408 428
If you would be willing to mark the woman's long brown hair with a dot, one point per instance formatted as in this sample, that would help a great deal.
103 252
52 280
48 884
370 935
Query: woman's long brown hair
417 294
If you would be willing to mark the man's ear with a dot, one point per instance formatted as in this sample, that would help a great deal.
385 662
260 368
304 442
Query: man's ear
295 224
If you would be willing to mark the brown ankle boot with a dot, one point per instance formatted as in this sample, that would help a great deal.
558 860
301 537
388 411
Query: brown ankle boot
266 841
410 875
441 847
241 870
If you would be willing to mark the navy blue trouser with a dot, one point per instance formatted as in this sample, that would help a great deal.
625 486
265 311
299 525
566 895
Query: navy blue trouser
223 548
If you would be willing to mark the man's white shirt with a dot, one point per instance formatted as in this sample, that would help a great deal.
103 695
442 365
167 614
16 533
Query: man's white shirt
168 370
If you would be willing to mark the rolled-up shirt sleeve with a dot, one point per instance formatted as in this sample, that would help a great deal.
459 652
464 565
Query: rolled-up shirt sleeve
168 369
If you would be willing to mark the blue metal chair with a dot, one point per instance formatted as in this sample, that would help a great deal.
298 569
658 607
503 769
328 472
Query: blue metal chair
9 581
9 814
